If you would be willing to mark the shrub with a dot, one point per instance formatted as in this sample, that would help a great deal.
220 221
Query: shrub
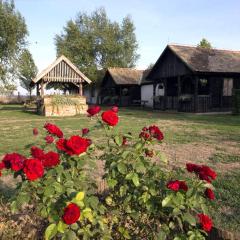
144 200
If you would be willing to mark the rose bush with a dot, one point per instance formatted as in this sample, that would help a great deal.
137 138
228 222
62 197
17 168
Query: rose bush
143 199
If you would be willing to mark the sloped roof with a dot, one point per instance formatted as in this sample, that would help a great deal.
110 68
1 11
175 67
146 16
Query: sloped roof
126 76
61 70
208 60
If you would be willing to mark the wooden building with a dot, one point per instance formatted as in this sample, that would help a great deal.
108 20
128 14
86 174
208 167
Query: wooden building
121 86
63 74
194 79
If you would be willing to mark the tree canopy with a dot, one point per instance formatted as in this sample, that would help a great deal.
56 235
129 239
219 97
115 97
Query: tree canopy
94 42
27 70
204 43
13 31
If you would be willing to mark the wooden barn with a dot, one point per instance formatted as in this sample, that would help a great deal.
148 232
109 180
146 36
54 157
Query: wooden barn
194 79
121 86
65 76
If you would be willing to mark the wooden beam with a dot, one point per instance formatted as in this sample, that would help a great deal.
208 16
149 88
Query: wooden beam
165 93
80 89
42 88
196 80
179 89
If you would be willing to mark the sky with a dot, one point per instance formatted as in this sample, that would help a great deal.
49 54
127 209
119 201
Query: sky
157 22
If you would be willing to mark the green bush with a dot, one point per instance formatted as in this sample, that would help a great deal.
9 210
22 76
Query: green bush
143 200
236 101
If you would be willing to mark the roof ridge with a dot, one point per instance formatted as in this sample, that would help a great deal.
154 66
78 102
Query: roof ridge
195 46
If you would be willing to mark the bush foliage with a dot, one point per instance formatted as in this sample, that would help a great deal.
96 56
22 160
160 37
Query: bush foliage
143 199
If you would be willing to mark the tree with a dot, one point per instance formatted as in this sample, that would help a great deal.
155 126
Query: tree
13 31
93 43
204 43
27 70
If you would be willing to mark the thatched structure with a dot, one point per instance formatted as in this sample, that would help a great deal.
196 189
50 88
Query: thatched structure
64 72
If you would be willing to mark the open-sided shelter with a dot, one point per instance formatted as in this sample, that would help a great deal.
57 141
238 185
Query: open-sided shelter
63 73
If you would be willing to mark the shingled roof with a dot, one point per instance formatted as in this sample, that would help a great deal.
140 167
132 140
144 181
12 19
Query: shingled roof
126 76
208 60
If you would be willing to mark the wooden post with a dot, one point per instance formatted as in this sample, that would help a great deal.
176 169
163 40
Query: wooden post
42 88
80 89
179 90
165 93
196 79
154 94
37 89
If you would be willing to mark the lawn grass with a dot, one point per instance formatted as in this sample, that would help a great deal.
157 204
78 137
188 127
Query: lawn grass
209 139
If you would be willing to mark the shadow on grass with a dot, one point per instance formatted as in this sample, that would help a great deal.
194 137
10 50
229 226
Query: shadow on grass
217 119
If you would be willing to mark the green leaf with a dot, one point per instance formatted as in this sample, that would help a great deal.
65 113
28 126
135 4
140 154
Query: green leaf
138 146
129 176
111 182
122 168
140 168
80 196
117 140
125 154
166 201
61 226
49 191
135 179
70 235
51 231
93 201
187 217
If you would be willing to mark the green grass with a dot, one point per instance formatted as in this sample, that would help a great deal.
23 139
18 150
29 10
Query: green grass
179 129
227 200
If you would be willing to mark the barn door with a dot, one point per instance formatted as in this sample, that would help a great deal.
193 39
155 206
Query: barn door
216 91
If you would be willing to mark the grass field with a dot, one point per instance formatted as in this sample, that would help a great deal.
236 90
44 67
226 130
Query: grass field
209 139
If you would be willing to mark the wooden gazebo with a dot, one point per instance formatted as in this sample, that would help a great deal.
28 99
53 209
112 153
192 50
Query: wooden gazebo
61 71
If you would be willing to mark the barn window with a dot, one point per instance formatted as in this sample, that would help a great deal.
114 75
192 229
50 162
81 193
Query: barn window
203 87
227 86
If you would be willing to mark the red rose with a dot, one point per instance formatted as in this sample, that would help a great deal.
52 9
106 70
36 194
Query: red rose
177 185
61 144
145 129
93 110
54 130
203 172
77 145
33 169
37 153
156 133
183 186
209 194
209 172
71 214
14 161
49 139
124 141
149 153
205 222
114 109
203 176
193 167
35 131
110 118
85 131
51 159
144 135
2 165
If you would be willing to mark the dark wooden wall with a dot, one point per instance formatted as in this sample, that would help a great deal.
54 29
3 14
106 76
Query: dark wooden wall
169 65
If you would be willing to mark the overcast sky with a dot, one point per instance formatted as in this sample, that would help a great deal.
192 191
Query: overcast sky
158 22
